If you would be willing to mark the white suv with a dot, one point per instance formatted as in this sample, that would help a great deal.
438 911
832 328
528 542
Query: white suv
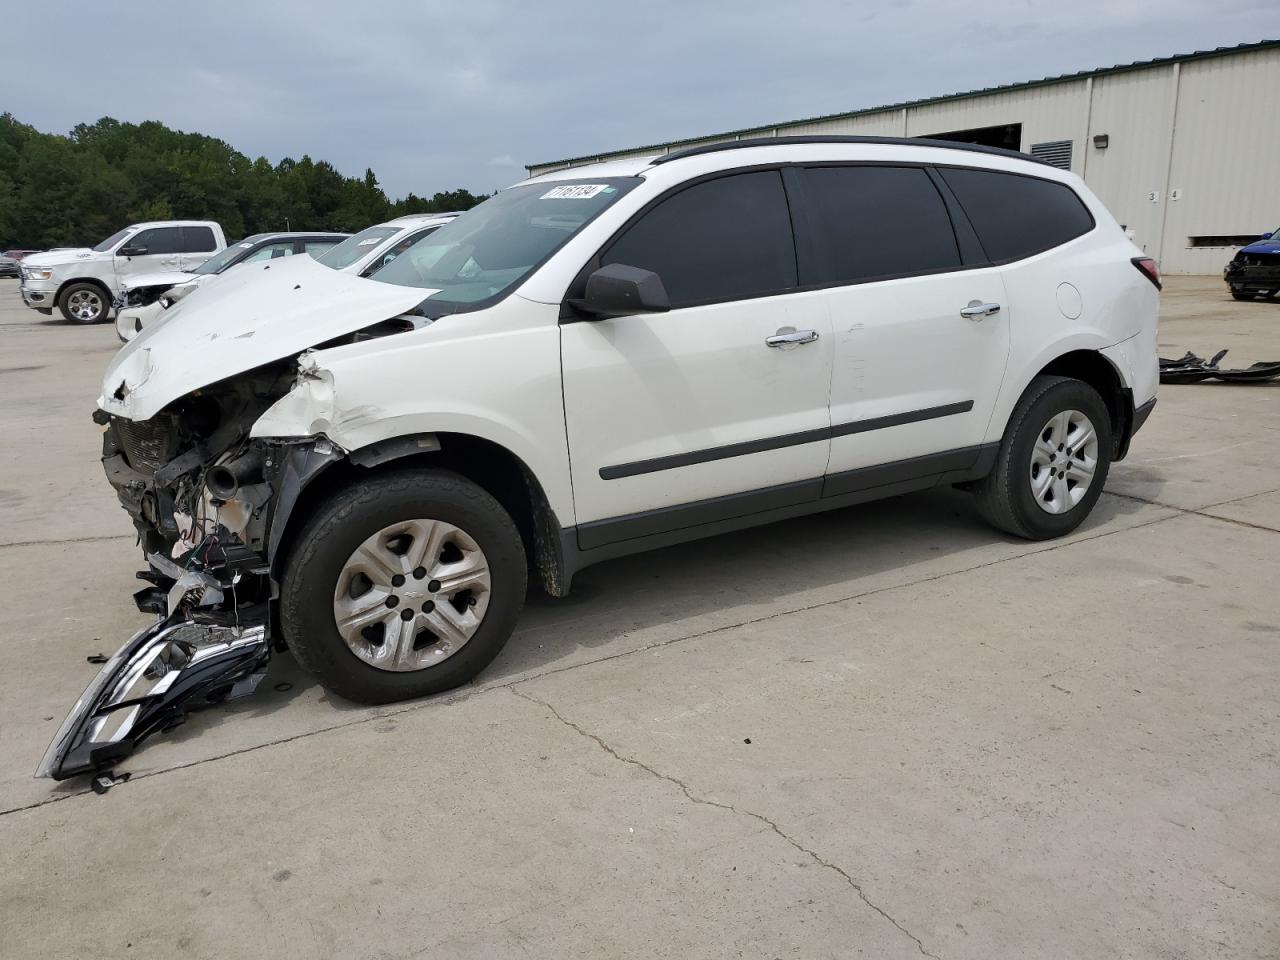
608 359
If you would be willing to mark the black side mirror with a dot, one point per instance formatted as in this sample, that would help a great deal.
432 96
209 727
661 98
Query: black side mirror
618 290
132 251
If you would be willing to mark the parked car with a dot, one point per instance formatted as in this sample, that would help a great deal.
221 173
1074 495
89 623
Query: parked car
8 267
82 282
145 297
375 247
1255 268
18 254
599 361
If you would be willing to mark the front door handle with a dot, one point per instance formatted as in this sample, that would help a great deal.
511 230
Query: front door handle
976 310
790 336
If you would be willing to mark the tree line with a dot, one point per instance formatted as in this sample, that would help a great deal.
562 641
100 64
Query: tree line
75 190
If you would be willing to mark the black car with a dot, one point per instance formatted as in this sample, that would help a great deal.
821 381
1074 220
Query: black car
8 267
1255 269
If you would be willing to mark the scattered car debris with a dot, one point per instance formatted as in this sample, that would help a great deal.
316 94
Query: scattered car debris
1192 369
105 781
96 658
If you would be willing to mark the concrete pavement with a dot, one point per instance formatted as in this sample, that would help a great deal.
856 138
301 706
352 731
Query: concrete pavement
961 745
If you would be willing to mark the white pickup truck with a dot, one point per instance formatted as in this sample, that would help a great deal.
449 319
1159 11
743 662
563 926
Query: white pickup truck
82 282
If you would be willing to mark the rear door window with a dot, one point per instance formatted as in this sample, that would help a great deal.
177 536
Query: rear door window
724 239
878 222
198 240
1017 216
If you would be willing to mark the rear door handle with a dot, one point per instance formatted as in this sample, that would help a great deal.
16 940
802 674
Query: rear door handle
976 310
790 336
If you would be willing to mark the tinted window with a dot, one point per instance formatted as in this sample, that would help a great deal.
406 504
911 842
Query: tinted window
723 239
880 222
319 246
271 251
198 240
1018 216
158 240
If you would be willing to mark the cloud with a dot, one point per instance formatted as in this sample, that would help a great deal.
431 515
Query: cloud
439 94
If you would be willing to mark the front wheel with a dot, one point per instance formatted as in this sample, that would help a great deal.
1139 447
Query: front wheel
84 303
1053 461
1241 295
402 585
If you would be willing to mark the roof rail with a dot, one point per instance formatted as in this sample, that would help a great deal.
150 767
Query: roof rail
837 138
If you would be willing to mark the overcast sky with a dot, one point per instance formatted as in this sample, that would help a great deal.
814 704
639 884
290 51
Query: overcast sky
438 94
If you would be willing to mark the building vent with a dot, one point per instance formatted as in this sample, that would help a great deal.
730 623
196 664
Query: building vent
1056 153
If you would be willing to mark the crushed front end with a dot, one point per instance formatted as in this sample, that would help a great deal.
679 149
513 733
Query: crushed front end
202 495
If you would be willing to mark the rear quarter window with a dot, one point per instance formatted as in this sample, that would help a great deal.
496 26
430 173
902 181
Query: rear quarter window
1017 216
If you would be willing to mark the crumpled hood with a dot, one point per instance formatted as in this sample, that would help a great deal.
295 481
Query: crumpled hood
1262 246
55 257
250 317
167 279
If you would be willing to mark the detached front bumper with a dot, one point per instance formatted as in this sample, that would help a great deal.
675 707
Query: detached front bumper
182 662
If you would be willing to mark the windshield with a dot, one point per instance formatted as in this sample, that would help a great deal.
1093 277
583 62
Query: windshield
354 247
492 247
112 240
1273 236
233 253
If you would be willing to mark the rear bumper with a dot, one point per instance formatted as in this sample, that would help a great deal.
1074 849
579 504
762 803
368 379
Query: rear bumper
1140 415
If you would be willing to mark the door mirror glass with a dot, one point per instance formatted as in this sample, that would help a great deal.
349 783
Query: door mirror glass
617 290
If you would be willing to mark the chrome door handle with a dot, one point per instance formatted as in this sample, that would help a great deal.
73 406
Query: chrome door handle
976 310
787 336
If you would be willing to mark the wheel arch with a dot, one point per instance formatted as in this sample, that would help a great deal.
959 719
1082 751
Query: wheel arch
1095 369
96 281
491 466
108 296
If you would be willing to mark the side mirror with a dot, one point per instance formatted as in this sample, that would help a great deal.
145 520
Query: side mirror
618 290
131 251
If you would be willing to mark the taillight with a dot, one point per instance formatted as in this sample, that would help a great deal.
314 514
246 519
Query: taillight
1149 269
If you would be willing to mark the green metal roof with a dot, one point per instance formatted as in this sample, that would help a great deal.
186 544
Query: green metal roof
985 91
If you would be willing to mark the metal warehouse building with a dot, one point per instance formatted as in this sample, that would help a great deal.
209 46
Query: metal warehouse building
1184 150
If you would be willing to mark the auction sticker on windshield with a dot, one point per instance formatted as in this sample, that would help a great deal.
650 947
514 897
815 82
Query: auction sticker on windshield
575 191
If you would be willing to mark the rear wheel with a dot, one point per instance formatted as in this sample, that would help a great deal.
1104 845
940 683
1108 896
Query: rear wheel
84 303
1053 461
403 585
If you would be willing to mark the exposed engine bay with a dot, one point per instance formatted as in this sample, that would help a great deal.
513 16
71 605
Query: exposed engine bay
208 500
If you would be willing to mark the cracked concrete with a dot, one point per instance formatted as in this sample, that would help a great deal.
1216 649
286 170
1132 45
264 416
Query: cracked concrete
1001 748
730 808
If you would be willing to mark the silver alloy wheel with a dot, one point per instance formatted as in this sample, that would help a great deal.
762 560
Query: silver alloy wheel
1063 461
412 595
84 305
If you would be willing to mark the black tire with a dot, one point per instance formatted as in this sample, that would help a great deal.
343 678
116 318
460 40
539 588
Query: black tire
1004 497
1242 295
341 524
91 290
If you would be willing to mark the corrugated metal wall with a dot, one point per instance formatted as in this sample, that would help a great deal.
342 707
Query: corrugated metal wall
1193 148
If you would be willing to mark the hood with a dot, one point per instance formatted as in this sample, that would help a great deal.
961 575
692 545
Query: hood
167 279
1262 246
250 317
55 257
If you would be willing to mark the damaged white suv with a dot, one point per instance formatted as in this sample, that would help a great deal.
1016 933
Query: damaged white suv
599 361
